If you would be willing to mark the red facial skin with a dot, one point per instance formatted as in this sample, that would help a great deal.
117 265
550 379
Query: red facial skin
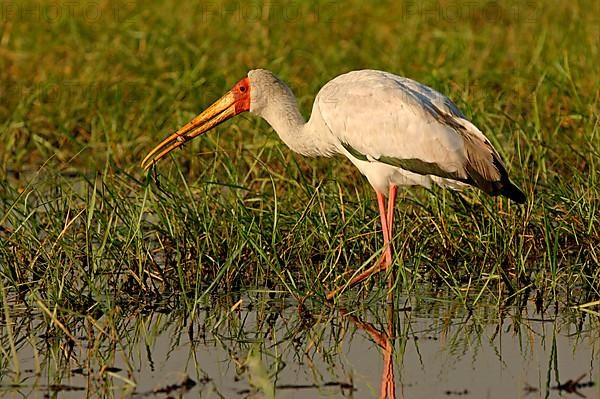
241 92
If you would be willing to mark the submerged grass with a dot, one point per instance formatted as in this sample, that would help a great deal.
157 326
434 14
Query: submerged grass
83 231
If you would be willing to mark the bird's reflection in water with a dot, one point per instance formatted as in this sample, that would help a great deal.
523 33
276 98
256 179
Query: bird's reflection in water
385 339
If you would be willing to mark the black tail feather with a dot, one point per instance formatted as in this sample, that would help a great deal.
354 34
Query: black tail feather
513 192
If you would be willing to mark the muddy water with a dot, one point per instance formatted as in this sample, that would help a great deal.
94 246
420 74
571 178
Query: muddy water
422 350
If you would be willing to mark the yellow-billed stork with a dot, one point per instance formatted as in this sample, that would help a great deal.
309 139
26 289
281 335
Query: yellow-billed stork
396 131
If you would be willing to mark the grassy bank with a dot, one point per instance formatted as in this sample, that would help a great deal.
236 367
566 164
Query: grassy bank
87 92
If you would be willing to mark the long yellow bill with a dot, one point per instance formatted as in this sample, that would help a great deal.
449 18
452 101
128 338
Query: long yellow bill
232 103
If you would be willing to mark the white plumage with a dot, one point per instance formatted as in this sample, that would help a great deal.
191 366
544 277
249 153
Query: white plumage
393 129
375 113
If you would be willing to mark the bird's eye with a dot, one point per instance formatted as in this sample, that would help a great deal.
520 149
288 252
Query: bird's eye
242 88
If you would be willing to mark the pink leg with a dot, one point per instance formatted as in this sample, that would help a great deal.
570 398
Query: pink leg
385 230
386 260
391 207
390 221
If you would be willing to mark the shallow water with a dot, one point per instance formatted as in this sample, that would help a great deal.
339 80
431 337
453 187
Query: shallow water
440 350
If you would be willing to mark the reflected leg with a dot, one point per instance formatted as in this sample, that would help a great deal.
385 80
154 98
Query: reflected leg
388 385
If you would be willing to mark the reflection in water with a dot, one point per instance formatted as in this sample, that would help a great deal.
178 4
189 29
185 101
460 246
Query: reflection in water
260 345
384 339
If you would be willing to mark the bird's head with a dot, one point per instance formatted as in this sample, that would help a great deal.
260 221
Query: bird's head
237 100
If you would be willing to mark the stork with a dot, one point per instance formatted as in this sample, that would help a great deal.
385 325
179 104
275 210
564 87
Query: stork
396 131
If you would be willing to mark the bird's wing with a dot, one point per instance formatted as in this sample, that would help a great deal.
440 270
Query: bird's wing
426 94
381 117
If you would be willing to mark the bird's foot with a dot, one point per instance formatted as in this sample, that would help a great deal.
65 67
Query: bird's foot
379 266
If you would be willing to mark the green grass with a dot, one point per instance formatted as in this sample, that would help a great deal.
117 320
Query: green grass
84 230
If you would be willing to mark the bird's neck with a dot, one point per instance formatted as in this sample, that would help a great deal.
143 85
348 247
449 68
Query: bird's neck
305 138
